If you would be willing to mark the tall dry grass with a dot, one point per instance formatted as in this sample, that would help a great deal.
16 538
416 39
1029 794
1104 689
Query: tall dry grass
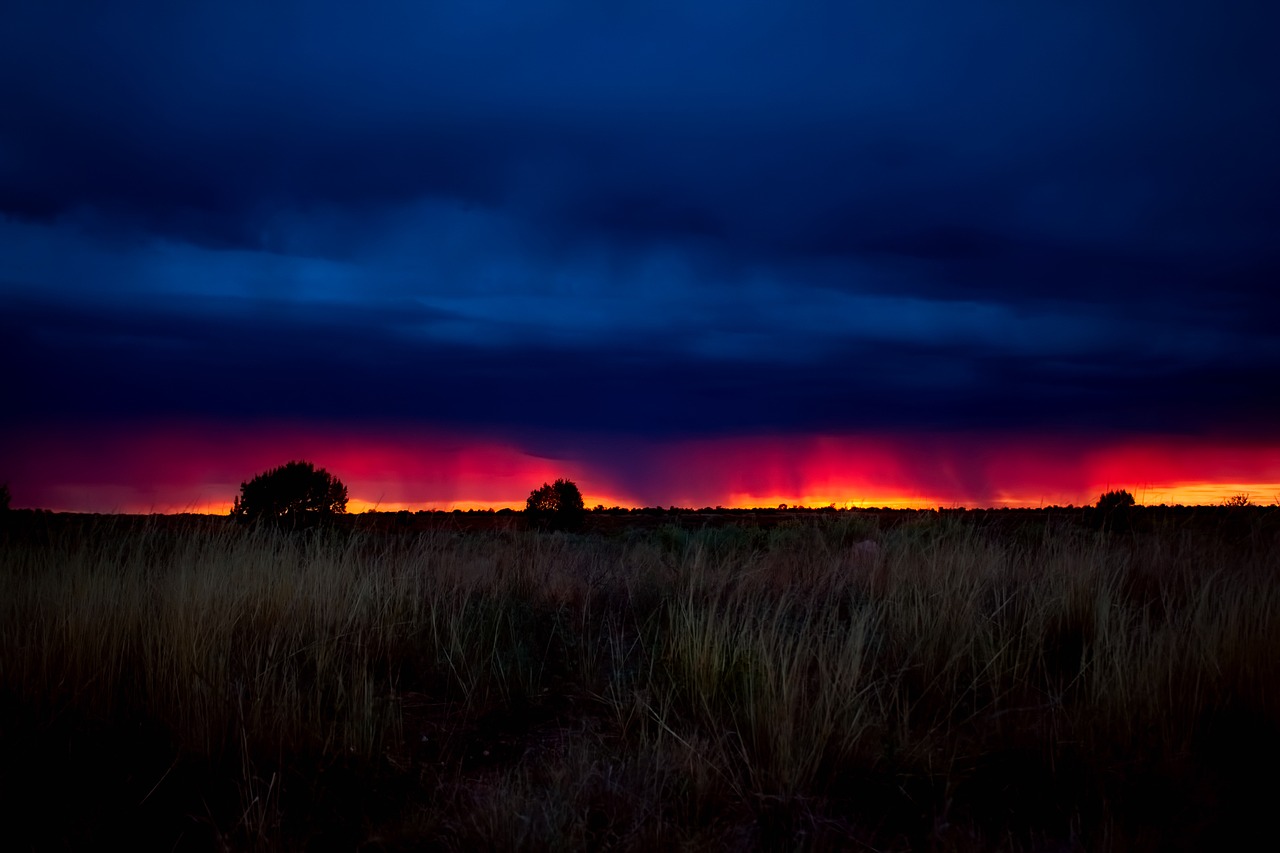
951 686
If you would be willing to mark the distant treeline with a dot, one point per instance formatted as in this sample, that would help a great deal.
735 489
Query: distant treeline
1246 519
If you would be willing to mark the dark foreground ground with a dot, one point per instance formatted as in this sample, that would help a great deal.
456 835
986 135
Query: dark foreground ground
1020 680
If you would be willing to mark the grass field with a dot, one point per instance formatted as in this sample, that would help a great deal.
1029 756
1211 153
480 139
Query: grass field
914 681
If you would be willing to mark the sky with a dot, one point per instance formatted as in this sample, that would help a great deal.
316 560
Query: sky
901 253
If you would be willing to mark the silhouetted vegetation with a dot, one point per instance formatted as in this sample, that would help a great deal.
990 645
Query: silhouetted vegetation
296 494
1115 500
556 506
4 497
1115 511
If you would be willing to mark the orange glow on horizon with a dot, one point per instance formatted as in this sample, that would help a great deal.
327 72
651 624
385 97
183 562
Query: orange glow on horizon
1184 494
818 501
355 505
199 469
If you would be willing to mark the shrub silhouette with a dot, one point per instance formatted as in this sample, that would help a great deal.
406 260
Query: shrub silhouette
296 493
1114 511
557 506
1117 500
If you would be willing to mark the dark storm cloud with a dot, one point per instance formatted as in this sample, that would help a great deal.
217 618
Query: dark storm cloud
658 218
348 364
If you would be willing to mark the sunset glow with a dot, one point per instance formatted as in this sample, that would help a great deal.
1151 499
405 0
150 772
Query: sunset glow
188 468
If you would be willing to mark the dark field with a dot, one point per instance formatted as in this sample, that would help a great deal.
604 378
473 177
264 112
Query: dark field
1017 680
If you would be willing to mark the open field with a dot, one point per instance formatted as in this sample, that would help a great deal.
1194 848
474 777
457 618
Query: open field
841 680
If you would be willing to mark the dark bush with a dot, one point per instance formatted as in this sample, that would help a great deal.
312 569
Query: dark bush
1114 511
1117 500
296 494
557 506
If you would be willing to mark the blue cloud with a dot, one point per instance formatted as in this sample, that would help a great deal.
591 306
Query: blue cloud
1039 213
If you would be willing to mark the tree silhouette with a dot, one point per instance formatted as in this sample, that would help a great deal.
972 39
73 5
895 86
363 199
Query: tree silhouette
1117 500
296 493
557 506
1114 511
4 497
